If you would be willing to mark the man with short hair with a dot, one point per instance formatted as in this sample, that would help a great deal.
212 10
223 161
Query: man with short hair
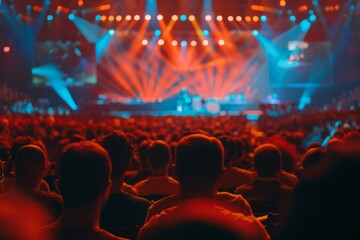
200 167
123 210
266 188
84 183
158 183
30 167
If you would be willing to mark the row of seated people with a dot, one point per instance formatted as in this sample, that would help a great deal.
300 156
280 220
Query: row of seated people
90 183
268 188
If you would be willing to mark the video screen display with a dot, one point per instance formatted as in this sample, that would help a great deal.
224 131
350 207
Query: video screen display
71 62
302 64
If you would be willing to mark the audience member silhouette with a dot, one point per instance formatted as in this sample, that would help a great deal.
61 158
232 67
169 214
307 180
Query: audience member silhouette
144 171
30 167
84 183
328 207
159 183
199 166
124 213
266 193
233 176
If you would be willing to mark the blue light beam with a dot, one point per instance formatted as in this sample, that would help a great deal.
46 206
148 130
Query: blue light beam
54 77
102 44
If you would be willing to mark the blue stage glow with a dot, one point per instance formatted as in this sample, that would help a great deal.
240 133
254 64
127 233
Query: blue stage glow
311 12
263 18
252 117
101 45
98 17
303 102
255 33
50 17
157 32
205 33
71 17
312 18
183 17
183 43
54 77
292 18
305 25
111 32
151 7
91 31
315 2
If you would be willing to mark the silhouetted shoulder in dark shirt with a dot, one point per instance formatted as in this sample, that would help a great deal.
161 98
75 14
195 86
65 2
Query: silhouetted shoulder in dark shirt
124 210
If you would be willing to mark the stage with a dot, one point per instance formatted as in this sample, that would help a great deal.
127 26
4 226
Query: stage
207 108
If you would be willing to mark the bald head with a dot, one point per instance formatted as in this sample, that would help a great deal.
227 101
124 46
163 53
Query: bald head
30 165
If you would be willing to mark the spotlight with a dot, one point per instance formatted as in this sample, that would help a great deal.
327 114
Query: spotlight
157 32
118 18
97 18
255 32
238 18
208 18
6 49
205 42
305 25
103 18
161 42
219 18
183 43
191 18
147 17
111 18
144 42
221 42
247 18
159 17
282 3
50 17
263 18
111 32
255 18
128 17
193 43
175 17
230 18
292 18
71 17
312 18
174 43
136 17
205 33
183 17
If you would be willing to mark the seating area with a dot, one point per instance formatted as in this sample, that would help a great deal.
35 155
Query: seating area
149 148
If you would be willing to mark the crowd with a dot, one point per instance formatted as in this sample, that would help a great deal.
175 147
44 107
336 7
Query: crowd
347 100
146 177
